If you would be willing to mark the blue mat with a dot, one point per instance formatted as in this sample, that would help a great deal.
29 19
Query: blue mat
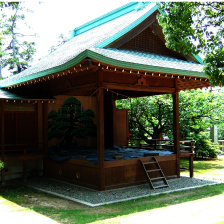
109 154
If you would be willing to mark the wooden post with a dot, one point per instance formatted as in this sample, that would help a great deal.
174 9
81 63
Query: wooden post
191 159
176 132
2 140
100 132
45 127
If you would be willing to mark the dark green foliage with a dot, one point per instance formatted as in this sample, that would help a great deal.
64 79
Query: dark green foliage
85 120
78 116
70 121
204 146
79 132
1 165
63 110
89 113
64 125
199 110
52 115
55 125
71 102
50 123
56 133
62 117
196 27
90 129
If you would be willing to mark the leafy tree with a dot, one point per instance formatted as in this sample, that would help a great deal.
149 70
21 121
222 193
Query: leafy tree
196 27
16 51
199 110
70 121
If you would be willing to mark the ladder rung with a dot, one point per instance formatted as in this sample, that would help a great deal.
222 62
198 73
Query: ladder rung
149 163
161 186
152 170
162 177
157 178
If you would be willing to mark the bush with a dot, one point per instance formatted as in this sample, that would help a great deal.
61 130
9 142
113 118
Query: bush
206 148
1 165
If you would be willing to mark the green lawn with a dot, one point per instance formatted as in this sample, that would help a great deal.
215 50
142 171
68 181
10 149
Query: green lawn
27 202
212 169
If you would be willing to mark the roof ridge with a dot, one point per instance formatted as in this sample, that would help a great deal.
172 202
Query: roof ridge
106 18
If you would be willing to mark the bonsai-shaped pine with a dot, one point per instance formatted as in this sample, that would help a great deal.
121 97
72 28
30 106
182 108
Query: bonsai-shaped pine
70 121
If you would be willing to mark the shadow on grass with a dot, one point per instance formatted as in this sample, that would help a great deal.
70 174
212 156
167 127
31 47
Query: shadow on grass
87 215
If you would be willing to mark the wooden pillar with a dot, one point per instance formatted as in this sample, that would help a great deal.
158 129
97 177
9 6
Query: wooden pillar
2 140
176 132
191 168
45 127
108 120
100 132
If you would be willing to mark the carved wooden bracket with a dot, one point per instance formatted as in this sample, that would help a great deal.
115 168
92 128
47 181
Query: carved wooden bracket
141 81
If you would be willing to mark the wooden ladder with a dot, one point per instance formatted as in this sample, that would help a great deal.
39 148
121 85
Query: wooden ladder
159 170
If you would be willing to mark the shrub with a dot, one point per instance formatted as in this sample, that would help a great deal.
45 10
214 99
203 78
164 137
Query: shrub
1 164
206 148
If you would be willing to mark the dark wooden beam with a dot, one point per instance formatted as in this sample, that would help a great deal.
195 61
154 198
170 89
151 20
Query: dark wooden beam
100 132
74 90
45 127
138 88
176 131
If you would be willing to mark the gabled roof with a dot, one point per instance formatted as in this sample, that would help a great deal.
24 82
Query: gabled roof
91 39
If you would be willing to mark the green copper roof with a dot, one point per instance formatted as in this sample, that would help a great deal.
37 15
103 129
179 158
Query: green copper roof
107 17
103 19
90 42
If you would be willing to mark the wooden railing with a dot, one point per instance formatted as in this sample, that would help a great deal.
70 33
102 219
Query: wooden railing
20 151
186 148
185 145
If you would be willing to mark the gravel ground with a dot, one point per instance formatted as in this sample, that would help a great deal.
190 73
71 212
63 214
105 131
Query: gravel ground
96 198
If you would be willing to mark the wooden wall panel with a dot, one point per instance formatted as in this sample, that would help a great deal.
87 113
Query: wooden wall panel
133 174
121 127
123 173
70 172
10 128
27 128
132 79
148 41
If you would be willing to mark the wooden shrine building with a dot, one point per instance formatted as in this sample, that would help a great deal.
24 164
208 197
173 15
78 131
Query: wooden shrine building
119 54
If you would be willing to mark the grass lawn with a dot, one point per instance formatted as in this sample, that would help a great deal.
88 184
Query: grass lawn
212 169
34 207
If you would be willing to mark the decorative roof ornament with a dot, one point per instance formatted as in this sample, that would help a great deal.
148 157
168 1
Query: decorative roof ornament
140 6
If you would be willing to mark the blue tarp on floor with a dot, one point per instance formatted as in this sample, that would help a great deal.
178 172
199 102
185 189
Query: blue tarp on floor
91 154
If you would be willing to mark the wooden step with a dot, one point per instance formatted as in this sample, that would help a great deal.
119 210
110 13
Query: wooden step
152 170
145 163
149 179
157 178
160 186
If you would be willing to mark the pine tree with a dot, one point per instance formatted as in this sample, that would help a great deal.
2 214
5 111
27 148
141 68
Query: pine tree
16 51
70 121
